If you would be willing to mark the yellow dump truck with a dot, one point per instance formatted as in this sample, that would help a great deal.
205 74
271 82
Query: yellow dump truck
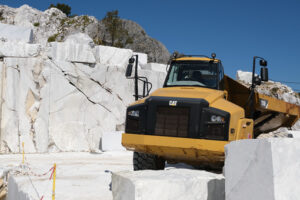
197 112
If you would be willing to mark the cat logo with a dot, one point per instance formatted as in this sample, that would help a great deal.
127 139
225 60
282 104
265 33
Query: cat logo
172 103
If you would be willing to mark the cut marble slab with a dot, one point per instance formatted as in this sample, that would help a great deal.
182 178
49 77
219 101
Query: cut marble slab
263 169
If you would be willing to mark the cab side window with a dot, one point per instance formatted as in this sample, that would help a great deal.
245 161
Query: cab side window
221 77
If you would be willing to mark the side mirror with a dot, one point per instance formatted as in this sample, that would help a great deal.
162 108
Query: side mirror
131 60
264 74
128 70
263 63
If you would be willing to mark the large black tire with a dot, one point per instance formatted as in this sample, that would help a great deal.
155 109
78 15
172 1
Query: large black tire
143 161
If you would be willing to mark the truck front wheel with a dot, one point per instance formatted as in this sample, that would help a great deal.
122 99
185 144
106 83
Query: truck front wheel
143 161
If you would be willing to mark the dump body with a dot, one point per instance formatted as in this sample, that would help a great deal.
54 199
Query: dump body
270 113
176 122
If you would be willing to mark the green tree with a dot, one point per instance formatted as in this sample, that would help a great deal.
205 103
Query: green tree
63 7
118 35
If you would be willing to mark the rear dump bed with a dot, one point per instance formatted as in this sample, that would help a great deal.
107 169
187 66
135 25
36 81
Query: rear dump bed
270 113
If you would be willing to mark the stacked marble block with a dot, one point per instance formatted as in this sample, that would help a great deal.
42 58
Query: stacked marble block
16 33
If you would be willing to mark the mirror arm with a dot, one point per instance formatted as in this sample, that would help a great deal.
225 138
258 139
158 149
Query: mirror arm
147 85
253 86
136 87
253 73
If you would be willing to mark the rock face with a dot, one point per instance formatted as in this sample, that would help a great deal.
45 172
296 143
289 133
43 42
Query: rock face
64 96
112 141
54 25
262 169
167 184
44 24
156 51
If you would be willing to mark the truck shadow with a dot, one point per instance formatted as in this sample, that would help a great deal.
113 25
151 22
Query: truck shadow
187 166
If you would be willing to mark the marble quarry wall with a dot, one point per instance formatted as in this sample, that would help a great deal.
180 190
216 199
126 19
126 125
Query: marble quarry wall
65 95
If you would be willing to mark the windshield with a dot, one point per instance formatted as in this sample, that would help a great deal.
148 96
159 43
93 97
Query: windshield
197 73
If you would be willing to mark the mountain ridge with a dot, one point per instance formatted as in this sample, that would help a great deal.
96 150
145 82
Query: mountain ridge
53 25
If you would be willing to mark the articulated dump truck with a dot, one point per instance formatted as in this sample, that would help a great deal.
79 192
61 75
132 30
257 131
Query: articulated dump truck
197 112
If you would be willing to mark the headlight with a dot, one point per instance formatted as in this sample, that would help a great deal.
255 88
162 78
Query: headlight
215 123
136 119
216 118
134 113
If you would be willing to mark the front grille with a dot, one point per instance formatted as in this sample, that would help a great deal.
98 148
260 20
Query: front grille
172 121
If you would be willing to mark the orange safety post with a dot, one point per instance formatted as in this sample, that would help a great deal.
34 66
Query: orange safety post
54 177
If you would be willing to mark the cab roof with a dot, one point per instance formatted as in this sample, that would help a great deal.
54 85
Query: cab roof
189 58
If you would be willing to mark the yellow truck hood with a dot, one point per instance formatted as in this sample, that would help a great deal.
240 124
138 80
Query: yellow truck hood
209 95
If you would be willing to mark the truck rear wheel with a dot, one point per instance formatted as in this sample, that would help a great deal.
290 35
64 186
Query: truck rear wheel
143 161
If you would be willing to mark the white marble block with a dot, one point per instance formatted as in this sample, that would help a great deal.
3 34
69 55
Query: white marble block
263 169
112 56
112 141
155 67
143 58
72 52
16 33
244 76
19 49
179 184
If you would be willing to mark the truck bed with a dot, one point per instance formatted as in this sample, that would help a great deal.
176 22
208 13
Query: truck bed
270 113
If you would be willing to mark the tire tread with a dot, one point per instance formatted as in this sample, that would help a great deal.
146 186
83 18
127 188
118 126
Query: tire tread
143 161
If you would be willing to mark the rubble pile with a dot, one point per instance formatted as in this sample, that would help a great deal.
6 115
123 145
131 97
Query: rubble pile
270 88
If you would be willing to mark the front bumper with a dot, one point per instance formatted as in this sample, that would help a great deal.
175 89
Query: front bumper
174 148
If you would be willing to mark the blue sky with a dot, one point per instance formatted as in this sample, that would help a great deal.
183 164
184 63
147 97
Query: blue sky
235 30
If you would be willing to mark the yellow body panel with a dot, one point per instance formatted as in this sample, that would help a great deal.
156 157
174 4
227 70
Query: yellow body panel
236 114
244 130
173 148
187 149
280 106
216 99
209 95
196 59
